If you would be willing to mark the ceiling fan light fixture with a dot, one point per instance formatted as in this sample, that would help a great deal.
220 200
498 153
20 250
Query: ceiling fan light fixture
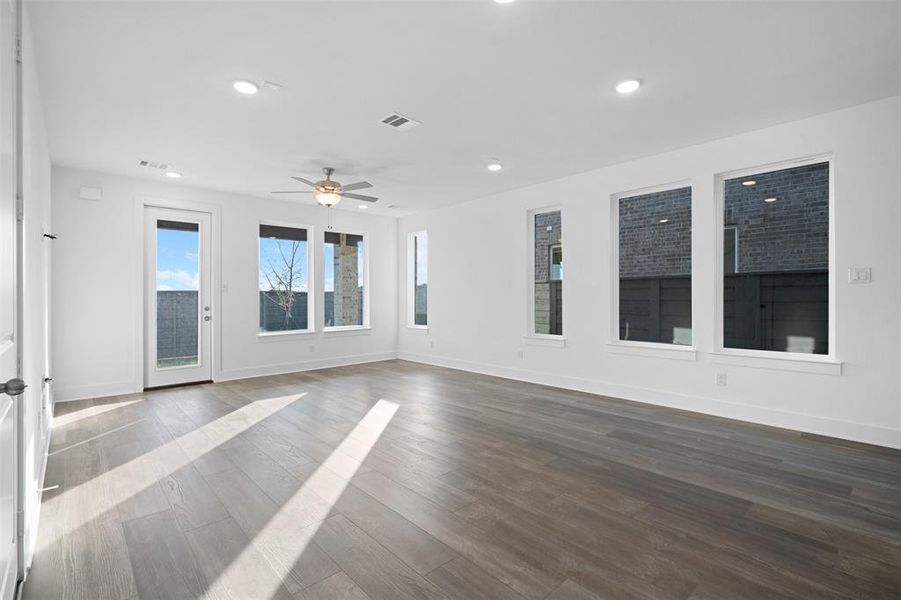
328 198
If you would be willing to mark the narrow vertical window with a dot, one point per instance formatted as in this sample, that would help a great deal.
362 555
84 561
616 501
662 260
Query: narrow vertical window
419 278
776 291
177 290
655 267
283 279
345 280
547 254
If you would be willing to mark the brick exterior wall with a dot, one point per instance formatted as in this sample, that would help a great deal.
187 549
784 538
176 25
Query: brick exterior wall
791 234
649 248
548 294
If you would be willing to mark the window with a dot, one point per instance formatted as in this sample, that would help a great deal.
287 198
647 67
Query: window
418 249
345 280
547 254
777 296
177 291
284 279
654 263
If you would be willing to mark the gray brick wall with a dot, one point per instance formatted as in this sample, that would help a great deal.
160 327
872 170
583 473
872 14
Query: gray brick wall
548 295
791 234
649 248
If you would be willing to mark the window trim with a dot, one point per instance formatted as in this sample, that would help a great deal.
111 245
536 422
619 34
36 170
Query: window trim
820 363
531 337
411 281
366 284
311 287
651 349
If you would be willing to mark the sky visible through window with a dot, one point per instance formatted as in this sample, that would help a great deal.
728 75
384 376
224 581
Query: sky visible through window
177 260
269 254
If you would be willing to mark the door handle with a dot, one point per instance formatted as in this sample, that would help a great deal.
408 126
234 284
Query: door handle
13 387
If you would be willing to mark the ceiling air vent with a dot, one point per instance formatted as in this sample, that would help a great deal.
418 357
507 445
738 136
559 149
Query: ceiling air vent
398 121
154 165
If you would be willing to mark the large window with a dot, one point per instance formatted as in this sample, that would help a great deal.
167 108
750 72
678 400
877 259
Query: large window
284 279
547 254
345 280
419 279
776 293
655 267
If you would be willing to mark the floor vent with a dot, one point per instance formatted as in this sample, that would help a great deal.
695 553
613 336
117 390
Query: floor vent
398 121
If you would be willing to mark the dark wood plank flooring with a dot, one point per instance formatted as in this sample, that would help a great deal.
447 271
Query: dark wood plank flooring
394 480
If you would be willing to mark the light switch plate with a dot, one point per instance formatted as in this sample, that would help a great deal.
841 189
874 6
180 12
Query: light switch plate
860 275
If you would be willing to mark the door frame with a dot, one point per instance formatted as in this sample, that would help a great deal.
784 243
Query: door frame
138 308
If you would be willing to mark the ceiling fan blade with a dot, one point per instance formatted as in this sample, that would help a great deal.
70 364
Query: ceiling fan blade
360 185
306 181
359 197
293 192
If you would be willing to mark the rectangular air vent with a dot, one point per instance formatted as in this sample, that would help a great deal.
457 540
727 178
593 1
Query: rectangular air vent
399 121
153 165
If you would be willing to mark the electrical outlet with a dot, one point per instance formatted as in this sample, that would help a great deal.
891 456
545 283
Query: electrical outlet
431 344
721 379
519 354
312 348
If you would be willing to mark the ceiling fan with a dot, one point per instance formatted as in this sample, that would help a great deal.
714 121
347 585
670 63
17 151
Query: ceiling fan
329 192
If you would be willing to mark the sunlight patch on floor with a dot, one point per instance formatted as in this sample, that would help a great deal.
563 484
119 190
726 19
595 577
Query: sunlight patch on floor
85 502
285 537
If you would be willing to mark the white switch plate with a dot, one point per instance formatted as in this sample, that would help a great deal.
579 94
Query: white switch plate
860 275
721 379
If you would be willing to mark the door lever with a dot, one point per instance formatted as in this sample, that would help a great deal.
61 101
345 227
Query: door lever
13 387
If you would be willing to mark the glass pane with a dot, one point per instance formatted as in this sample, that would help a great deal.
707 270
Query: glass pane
548 274
421 275
177 292
283 279
655 267
777 297
344 272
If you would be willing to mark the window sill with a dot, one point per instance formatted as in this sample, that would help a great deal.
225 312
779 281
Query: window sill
272 336
653 350
548 341
349 330
763 359
418 329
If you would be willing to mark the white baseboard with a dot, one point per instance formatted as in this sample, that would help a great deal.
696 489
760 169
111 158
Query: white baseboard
858 432
309 365
100 390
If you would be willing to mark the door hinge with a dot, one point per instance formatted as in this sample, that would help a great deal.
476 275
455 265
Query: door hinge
20 207
19 50
20 523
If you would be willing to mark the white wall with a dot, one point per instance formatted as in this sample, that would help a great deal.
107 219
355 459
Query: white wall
478 292
36 401
97 293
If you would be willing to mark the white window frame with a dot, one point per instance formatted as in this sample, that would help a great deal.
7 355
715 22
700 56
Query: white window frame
365 327
531 338
311 287
411 280
650 349
815 363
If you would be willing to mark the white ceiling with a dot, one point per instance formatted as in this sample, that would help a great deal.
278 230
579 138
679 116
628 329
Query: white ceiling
529 83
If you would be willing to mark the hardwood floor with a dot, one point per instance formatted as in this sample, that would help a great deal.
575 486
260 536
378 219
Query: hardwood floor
394 480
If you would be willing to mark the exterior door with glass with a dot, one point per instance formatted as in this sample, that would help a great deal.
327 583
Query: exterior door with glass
178 311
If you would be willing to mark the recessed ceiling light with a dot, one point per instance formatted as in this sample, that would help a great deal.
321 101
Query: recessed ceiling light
246 87
664 220
770 200
628 86
505 1
363 206
748 182
173 174
495 166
